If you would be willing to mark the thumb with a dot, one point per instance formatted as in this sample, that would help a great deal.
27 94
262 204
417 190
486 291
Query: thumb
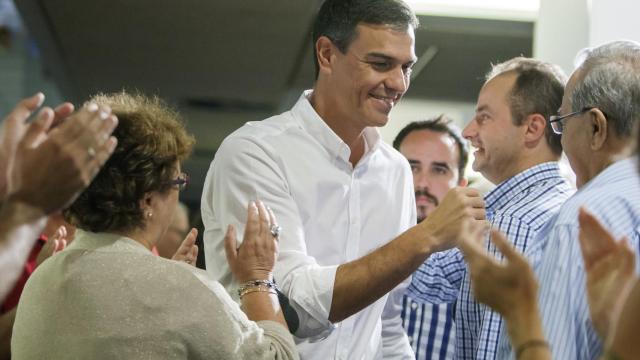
230 245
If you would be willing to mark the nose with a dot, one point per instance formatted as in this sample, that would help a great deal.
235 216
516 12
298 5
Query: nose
421 180
470 130
398 80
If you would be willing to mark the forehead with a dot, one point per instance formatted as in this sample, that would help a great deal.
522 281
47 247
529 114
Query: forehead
428 145
383 39
568 90
496 91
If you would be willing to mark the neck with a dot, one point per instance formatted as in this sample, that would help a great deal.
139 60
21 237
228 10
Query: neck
525 162
140 235
600 161
351 134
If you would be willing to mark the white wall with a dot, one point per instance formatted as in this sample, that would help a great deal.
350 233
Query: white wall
562 29
613 20
409 110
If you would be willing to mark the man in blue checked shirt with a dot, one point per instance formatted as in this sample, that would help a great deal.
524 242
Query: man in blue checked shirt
517 150
438 156
600 109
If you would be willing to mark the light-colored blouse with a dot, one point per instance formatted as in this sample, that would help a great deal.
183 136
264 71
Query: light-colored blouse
107 297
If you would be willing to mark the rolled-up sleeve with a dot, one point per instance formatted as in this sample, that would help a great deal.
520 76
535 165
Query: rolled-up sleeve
244 170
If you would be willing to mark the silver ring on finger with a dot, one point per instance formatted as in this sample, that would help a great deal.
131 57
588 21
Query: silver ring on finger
275 230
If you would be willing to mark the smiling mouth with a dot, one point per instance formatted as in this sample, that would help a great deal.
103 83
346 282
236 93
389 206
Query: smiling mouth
389 102
479 149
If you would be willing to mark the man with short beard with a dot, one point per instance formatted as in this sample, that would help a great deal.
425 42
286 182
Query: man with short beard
438 155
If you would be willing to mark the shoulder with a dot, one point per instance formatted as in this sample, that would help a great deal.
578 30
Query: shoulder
393 159
544 202
263 131
615 205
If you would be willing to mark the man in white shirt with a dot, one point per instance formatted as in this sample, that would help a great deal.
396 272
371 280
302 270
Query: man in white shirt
340 194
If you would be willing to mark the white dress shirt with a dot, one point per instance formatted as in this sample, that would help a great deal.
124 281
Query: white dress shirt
330 212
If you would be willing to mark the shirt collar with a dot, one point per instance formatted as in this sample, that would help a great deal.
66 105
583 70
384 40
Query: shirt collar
318 129
621 170
517 184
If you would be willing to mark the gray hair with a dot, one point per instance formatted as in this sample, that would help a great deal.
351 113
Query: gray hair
610 81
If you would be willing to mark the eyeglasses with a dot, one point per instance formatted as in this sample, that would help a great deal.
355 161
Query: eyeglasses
556 120
182 181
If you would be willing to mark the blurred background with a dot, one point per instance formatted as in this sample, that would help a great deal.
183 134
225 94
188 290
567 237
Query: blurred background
223 63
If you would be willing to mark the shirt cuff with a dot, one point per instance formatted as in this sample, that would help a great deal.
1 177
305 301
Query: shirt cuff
310 292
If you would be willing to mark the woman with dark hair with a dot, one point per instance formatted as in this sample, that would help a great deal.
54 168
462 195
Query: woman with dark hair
107 297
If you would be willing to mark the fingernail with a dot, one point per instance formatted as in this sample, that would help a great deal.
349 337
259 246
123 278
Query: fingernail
113 143
104 115
92 107
40 98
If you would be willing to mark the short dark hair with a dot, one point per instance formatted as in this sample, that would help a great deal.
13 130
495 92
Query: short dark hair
538 90
338 19
151 140
441 124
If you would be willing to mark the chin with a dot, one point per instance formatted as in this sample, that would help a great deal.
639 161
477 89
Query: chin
378 120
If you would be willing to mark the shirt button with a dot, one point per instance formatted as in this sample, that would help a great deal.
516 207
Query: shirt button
414 306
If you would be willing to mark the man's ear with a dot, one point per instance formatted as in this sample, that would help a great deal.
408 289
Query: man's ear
324 54
536 125
598 127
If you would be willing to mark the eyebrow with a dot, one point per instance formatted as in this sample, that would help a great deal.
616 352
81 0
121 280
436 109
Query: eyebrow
441 163
414 162
387 58
482 108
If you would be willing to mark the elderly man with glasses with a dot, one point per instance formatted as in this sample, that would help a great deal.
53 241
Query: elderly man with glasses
600 107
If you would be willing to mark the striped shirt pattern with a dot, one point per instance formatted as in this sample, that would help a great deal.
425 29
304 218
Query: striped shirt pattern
614 198
519 206
430 329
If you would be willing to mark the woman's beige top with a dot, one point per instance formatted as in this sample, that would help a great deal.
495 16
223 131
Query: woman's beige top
108 297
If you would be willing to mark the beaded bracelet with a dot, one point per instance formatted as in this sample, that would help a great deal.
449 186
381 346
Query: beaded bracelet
530 344
257 283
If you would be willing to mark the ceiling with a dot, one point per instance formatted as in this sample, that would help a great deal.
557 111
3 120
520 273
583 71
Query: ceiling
227 62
